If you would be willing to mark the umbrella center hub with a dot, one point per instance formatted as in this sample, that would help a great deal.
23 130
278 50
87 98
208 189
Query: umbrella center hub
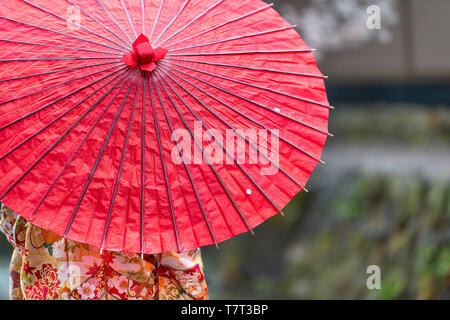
143 55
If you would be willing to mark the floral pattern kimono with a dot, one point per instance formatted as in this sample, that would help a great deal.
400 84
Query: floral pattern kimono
45 266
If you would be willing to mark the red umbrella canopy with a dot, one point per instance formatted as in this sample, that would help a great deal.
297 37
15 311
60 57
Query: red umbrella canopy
155 125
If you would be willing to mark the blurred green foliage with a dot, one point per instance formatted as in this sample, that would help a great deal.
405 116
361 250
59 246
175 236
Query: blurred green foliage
322 248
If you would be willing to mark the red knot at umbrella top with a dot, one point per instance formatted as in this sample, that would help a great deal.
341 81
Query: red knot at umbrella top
133 125
143 55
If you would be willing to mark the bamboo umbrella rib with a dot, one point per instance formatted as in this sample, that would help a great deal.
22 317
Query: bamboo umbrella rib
129 74
56 101
163 162
171 22
186 166
225 149
114 20
143 18
128 44
236 131
54 86
191 22
156 19
239 52
251 68
143 170
42 157
58 46
129 18
119 173
255 86
97 161
211 166
73 23
234 38
59 70
252 102
251 119
60 33
221 25
59 117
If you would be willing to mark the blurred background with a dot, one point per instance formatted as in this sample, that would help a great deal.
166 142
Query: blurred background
384 196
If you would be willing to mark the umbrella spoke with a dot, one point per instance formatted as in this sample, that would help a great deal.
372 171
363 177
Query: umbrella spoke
251 68
156 19
225 149
128 44
210 163
239 52
171 22
58 46
116 187
57 100
143 170
54 86
143 18
60 33
255 86
191 22
129 74
185 164
129 18
234 38
61 116
97 161
248 100
59 70
49 150
251 119
234 130
221 25
163 162
114 20
75 24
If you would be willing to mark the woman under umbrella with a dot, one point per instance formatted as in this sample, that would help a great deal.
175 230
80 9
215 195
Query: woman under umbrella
106 105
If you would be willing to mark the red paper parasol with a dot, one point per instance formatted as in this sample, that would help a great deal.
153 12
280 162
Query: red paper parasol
107 106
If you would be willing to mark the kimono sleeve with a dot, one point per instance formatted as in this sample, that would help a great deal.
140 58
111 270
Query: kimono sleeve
12 226
181 276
